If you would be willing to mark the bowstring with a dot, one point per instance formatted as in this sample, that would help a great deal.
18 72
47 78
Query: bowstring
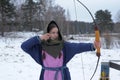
79 41
75 9
82 63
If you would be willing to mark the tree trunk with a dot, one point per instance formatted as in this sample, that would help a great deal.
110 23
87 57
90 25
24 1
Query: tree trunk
3 21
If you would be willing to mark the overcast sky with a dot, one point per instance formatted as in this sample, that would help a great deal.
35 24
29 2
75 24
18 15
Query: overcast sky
94 5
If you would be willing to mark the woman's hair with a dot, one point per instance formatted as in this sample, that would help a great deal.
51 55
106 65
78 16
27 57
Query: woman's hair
52 25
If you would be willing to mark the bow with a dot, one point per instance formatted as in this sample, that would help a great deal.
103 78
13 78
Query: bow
97 38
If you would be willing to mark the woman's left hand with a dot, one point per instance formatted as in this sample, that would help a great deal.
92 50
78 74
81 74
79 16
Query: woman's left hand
97 44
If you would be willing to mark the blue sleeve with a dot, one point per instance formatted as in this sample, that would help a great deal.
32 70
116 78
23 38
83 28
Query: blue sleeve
32 46
28 44
71 49
79 47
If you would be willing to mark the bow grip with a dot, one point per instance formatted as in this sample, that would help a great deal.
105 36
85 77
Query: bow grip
97 39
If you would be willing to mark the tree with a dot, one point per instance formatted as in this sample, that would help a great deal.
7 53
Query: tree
118 17
7 14
29 9
56 13
103 18
67 22
33 14
41 13
38 13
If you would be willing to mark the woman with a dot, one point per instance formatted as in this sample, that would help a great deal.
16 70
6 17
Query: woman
53 53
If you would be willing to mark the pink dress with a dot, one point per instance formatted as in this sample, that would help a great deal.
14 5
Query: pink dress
50 61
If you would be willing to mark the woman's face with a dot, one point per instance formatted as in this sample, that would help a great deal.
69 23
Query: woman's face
54 33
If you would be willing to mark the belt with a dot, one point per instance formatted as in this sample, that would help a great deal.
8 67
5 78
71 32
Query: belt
57 69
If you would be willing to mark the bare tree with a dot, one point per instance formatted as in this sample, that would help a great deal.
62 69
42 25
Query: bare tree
68 22
7 14
38 13
41 13
118 16
29 9
56 13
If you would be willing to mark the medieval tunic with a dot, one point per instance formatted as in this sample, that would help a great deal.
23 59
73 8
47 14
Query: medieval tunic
34 48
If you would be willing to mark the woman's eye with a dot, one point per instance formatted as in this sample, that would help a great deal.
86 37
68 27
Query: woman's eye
54 33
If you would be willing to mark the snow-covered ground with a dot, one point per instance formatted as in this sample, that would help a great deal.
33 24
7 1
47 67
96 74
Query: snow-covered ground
17 65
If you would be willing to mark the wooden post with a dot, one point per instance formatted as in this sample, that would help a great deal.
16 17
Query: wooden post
104 71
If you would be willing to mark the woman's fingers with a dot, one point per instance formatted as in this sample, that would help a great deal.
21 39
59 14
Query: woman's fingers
97 44
45 36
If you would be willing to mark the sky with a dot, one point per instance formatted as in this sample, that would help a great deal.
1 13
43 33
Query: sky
112 6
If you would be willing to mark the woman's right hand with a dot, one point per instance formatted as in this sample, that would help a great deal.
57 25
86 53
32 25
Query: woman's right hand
45 36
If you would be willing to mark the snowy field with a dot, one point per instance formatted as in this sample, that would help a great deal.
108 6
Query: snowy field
17 65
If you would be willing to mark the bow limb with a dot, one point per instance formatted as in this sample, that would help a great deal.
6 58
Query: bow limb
97 37
97 34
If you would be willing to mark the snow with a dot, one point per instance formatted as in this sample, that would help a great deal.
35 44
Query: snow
15 64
